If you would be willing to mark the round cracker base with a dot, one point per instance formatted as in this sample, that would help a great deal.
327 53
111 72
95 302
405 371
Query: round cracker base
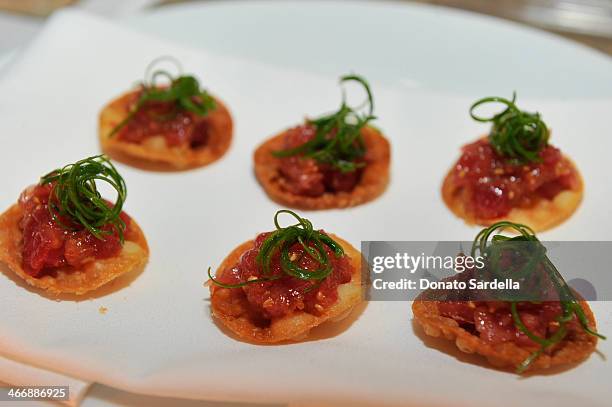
231 309
575 348
544 215
374 179
133 255
161 157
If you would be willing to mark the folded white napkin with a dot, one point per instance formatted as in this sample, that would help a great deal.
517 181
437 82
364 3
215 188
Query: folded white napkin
16 373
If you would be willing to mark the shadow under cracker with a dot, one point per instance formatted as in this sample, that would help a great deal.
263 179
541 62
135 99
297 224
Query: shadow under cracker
117 284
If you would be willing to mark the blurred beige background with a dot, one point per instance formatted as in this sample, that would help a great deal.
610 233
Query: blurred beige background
586 21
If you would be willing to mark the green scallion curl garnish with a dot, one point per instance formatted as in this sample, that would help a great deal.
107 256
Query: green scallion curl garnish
345 146
75 198
183 91
515 134
281 240
487 244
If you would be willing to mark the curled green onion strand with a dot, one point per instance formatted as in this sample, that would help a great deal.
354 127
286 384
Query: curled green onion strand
281 240
515 134
487 244
183 90
75 197
338 140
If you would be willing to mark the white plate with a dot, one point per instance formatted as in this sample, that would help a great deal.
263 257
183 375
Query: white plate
398 43
158 338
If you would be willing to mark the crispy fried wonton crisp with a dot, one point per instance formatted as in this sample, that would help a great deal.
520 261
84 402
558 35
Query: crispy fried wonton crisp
513 173
134 254
372 184
153 152
231 308
574 348
541 215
